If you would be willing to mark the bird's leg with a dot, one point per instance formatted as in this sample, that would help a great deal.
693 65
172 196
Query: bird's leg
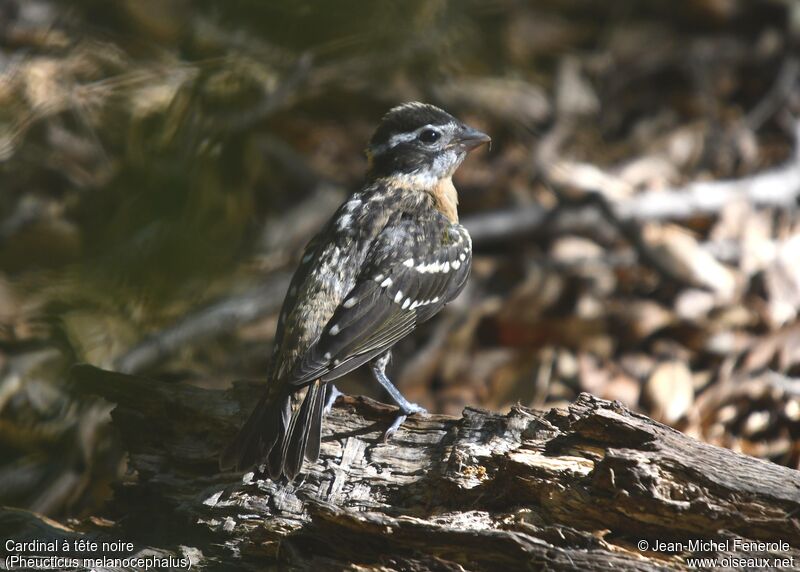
378 366
330 397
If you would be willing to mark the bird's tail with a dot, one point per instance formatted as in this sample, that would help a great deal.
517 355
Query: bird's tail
275 437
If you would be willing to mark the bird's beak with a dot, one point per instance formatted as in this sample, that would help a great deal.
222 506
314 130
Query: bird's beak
470 138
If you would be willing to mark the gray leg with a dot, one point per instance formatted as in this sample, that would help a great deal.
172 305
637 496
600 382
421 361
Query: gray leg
378 366
331 396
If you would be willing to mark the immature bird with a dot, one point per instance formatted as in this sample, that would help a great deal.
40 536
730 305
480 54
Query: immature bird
390 258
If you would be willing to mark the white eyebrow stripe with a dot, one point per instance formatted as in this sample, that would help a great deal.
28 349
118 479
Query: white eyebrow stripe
395 140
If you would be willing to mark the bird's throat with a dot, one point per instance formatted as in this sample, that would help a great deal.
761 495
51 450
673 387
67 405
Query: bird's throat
445 198
441 190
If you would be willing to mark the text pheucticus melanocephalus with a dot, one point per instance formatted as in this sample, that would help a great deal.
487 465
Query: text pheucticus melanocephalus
390 258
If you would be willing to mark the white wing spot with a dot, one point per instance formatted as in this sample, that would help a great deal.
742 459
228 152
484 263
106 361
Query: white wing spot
378 277
353 204
386 283
406 303
344 221
409 263
443 266
334 330
398 296
327 356
462 257
350 302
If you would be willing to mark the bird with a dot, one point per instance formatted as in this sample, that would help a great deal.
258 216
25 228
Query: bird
390 258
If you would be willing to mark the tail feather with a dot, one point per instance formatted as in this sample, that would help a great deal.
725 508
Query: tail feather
272 436
274 459
259 436
295 445
315 427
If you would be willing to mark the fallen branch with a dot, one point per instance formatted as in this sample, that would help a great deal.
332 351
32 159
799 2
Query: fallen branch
565 489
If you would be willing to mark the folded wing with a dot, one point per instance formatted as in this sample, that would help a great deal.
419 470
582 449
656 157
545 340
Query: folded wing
412 270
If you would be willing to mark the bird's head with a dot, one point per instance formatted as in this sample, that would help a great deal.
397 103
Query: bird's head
420 144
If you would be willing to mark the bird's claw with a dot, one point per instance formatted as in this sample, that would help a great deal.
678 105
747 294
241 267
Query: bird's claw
412 409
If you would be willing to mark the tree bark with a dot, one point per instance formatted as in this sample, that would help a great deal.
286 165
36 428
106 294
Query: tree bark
579 488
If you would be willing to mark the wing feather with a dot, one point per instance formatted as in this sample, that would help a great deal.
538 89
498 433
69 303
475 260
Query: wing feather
413 269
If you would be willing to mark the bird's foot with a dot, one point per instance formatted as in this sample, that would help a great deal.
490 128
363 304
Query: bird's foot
410 409
330 398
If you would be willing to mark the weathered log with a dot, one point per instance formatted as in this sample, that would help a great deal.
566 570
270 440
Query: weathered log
579 488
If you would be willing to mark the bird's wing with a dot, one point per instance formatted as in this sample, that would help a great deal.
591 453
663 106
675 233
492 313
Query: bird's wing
412 270
307 263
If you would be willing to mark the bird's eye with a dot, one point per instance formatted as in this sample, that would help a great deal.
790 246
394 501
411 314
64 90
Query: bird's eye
429 136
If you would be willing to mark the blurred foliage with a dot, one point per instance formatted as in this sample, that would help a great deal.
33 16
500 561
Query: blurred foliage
161 158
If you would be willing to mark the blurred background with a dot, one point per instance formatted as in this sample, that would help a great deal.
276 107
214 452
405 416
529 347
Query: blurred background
163 162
